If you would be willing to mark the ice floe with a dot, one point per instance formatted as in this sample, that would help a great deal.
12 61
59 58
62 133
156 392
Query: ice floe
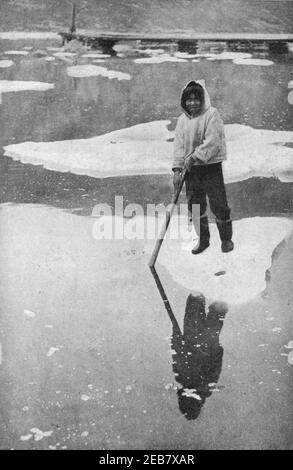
289 345
52 351
26 437
146 149
15 35
95 55
227 56
254 238
16 52
64 54
85 397
38 434
6 63
7 86
260 62
81 71
290 84
159 59
29 313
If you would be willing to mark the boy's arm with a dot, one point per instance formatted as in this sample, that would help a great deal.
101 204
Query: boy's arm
214 140
178 156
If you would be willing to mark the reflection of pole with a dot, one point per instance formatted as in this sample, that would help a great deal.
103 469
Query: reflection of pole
73 21
165 300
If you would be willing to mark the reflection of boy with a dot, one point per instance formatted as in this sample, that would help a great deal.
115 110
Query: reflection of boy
198 355
200 147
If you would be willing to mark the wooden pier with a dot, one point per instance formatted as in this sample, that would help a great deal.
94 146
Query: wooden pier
106 40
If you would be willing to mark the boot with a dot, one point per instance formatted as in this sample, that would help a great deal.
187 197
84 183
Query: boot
227 245
200 247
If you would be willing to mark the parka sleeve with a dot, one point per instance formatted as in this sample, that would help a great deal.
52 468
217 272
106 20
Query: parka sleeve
178 156
214 139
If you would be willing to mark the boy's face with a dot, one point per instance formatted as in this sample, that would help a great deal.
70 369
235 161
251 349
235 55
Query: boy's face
193 104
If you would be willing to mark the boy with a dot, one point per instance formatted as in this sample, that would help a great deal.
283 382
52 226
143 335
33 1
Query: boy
200 147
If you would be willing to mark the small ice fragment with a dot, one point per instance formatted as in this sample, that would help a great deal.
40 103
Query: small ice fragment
52 351
128 387
29 313
25 408
289 345
270 318
144 411
26 437
84 434
85 397
58 392
90 386
16 52
38 434
6 63
52 447
48 326
191 393
106 391
262 345
277 329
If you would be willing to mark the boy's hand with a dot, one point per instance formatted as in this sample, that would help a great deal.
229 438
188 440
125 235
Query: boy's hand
189 162
176 179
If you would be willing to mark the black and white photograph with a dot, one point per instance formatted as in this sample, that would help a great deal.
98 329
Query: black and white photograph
146 228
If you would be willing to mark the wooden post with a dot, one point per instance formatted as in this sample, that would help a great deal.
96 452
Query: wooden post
73 21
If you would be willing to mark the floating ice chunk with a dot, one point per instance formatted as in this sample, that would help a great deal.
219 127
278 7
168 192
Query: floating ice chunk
191 393
159 59
48 326
289 345
25 408
16 52
89 70
50 59
52 447
29 313
277 329
85 397
138 149
6 63
229 56
153 51
95 55
261 62
52 351
290 358
64 54
98 61
38 434
252 252
84 434
290 84
15 35
26 437
7 86
185 55
144 149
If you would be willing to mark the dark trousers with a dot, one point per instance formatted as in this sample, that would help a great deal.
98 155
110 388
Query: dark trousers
203 181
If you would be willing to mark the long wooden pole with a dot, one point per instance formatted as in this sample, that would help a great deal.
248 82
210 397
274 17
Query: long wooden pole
167 221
